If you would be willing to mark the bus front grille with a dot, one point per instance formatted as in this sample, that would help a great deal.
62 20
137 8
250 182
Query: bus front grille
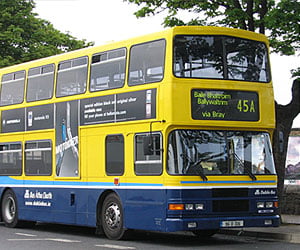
230 206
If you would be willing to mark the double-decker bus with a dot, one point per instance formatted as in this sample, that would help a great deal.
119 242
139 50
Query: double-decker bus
165 132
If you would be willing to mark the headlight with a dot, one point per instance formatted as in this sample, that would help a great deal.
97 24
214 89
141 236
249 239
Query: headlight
199 206
260 204
269 204
189 206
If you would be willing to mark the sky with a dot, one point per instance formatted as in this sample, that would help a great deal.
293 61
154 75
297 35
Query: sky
104 21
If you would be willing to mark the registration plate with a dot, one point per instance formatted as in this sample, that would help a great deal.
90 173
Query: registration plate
232 223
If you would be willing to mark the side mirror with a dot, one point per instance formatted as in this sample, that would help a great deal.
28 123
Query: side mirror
148 145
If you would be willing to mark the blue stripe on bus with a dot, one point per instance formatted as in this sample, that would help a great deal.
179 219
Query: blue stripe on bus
9 181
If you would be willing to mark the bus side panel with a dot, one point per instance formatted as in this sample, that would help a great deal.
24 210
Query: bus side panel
145 209
47 204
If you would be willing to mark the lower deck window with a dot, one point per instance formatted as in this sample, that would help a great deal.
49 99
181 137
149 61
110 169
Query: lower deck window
148 154
114 155
38 158
11 158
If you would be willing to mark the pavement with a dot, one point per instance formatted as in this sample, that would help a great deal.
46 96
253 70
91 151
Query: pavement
288 231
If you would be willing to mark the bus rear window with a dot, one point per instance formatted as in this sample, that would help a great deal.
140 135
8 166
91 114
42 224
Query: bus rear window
147 63
220 57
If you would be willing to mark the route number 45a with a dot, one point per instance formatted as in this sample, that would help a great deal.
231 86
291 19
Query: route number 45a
246 106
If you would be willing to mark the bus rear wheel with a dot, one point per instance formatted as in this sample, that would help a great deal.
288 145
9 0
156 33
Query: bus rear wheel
112 217
9 209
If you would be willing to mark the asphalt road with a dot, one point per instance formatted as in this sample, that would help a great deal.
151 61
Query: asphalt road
49 236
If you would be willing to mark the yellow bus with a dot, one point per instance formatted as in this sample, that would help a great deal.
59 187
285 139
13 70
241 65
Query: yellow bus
165 132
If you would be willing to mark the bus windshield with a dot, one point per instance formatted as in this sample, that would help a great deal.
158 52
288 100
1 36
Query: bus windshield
198 152
220 57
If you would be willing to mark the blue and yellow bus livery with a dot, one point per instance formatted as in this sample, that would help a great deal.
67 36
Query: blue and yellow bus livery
165 132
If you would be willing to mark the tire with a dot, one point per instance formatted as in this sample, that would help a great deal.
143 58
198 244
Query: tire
112 217
9 209
205 233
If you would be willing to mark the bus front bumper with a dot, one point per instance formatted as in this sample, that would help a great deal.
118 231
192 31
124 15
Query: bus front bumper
191 224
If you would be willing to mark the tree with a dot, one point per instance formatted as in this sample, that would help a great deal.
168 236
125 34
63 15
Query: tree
278 19
24 36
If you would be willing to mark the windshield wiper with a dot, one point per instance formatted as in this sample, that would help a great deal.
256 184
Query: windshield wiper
199 169
196 165
245 167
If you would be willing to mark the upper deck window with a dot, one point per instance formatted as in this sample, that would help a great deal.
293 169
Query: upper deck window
147 63
220 57
40 83
72 77
108 70
9 84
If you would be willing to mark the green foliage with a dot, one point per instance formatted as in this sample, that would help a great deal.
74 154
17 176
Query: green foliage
24 36
295 73
283 22
277 19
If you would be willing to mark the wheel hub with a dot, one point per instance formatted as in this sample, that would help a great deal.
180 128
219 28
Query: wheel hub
113 216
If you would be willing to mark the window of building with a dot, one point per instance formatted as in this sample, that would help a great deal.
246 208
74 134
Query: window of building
40 83
72 77
11 158
114 155
148 154
9 84
147 63
38 158
108 70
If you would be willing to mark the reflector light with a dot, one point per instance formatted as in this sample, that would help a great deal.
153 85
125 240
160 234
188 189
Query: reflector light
116 181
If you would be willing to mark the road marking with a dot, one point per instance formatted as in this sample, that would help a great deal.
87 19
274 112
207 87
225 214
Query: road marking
28 235
47 239
114 246
63 240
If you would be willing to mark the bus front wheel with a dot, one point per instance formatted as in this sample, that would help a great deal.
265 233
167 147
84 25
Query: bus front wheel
9 209
112 217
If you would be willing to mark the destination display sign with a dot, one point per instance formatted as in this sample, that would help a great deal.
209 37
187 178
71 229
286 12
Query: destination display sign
227 105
